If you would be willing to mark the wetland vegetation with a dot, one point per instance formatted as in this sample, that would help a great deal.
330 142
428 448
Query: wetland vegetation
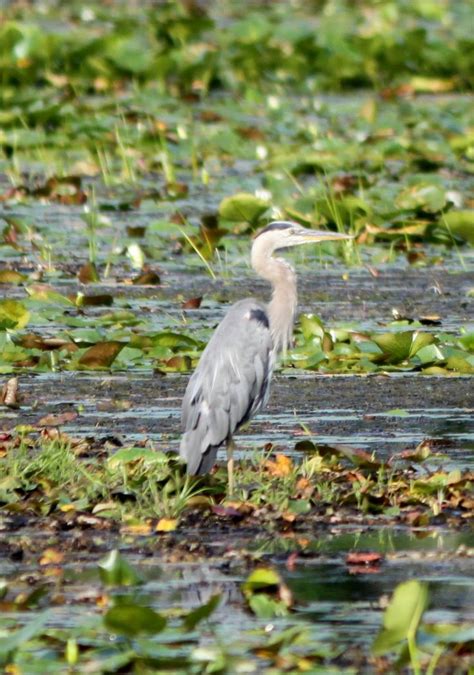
141 146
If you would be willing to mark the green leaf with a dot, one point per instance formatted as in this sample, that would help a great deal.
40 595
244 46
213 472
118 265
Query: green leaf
447 633
311 326
265 607
125 455
13 314
45 294
429 354
427 197
192 619
8 645
259 579
460 362
402 616
173 340
467 341
395 346
397 412
242 207
115 571
130 54
131 620
299 506
460 223
420 340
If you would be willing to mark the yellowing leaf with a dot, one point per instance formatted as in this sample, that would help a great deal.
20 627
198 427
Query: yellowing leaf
11 277
282 466
136 528
166 525
13 314
51 556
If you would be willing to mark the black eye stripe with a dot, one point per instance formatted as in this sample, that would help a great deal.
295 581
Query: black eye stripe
278 225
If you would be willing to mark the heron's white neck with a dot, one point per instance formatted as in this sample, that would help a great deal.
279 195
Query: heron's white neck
282 307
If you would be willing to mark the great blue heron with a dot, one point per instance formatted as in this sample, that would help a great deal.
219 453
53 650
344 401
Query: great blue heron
232 380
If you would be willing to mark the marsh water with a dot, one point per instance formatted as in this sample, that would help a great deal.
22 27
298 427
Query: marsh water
380 413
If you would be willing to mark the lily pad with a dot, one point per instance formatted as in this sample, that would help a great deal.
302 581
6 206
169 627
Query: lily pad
13 314
114 570
132 619
459 223
395 346
402 616
242 207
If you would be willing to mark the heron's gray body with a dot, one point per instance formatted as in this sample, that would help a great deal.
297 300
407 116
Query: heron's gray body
231 382
229 386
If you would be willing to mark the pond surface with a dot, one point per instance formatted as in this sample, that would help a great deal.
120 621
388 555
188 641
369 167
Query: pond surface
383 414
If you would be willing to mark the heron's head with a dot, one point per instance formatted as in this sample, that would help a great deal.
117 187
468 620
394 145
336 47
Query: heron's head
284 233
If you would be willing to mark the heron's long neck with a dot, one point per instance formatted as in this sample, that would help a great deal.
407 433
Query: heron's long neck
282 307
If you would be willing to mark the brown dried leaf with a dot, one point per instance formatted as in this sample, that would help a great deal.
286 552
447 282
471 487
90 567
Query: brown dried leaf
57 420
251 133
101 355
178 363
147 277
99 300
88 273
9 394
363 558
136 231
192 303
210 116
227 512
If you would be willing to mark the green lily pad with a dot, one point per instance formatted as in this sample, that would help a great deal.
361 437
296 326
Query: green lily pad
459 223
260 579
242 207
130 54
402 616
420 340
197 615
311 326
132 619
395 346
114 570
426 197
8 645
266 607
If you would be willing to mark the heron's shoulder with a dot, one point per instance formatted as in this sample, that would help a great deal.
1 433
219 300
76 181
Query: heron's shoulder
250 310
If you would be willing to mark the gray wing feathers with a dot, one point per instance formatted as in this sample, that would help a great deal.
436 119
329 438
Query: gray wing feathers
230 384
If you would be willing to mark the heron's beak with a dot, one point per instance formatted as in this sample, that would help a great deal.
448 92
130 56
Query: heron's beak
306 235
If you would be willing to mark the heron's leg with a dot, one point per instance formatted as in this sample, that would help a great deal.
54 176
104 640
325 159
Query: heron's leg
230 466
